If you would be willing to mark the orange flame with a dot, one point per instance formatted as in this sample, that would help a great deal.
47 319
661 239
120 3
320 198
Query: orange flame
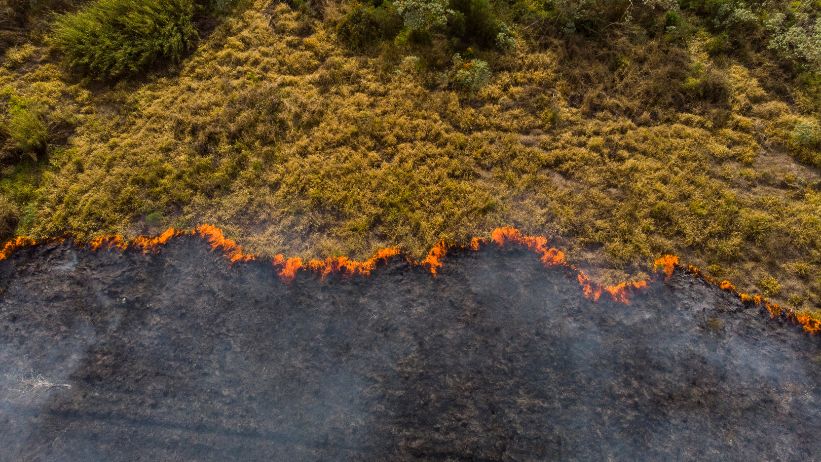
15 244
754 299
115 241
668 263
726 285
812 326
434 259
807 322
152 243
621 291
343 265
590 291
538 244
214 236
549 256
618 293
289 266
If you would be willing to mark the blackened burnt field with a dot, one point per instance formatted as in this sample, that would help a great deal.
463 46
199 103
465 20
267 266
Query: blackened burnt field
179 356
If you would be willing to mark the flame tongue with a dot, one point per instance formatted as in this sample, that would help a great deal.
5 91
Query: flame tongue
289 267
667 263
214 236
17 243
551 256
810 325
591 291
110 242
434 258
538 244
152 243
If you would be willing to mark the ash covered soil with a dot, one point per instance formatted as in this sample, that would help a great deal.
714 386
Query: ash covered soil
178 356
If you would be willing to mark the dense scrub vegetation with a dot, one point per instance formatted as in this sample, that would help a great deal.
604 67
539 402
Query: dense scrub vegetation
113 38
626 129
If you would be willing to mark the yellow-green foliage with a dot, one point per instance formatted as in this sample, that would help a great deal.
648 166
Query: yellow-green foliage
25 124
8 217
805 141
277 133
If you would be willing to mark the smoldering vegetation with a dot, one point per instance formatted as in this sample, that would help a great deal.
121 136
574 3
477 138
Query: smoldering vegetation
178 356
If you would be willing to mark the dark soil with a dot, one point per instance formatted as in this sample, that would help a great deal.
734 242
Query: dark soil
178 356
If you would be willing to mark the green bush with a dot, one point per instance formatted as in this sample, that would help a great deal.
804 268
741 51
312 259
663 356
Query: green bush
477 21
770 286
723 15
593 18
109 39
676 27
9 217
365 26
469 75
719 44
423 15
797 40
805 142
707 84
25 125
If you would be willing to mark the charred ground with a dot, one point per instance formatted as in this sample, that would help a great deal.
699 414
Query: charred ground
114 356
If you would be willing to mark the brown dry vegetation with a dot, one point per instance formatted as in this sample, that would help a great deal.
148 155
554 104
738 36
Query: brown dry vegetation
292 143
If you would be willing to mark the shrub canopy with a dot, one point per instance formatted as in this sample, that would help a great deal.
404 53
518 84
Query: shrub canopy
109 39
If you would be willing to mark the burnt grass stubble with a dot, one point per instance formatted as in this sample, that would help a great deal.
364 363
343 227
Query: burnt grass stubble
179 356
